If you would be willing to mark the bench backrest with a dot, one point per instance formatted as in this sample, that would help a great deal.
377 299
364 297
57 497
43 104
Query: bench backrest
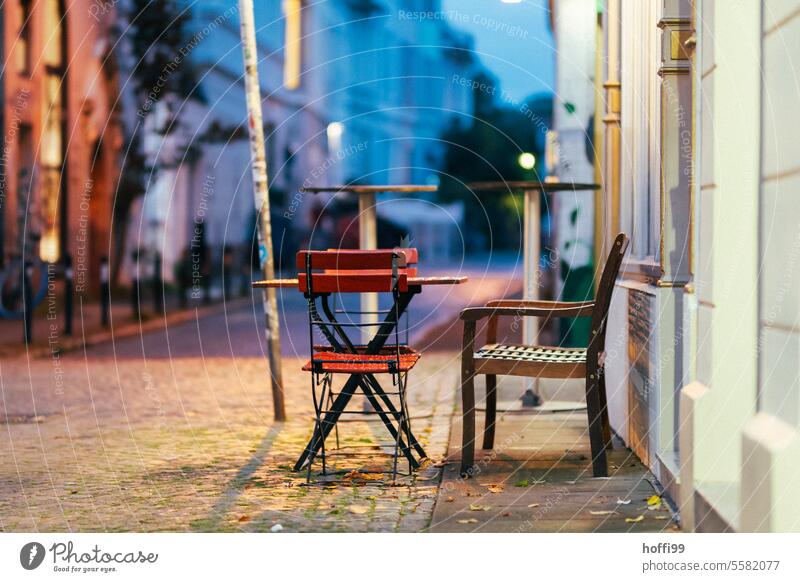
604 291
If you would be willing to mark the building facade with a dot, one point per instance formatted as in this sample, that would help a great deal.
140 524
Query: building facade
61 135
698 160
352 92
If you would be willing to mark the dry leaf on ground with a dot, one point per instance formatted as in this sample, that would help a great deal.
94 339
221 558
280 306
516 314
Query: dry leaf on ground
654 502
364 476
634 519
496 487
358 509
470 520
476 507
603 512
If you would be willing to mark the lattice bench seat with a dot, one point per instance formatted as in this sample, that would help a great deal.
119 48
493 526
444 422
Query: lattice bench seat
515 360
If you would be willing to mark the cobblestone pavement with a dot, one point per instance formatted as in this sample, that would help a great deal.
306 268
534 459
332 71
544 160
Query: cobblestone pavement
173 432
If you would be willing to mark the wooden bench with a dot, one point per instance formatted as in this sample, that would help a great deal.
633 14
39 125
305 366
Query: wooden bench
495 359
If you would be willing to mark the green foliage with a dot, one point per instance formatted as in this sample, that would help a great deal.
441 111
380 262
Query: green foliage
488 151
158 38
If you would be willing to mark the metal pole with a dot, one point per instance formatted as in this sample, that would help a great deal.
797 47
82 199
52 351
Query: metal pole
69 290
261 193
533 221
532 254
105 293
158 285
27 294
368 240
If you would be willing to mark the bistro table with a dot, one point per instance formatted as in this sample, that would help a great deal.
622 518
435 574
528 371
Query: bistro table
373 346
532 233
368 220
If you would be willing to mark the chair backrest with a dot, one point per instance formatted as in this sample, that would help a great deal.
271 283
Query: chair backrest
355 271
605 289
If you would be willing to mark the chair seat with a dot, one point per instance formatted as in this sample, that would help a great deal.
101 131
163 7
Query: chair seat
531 361
339 363
361 348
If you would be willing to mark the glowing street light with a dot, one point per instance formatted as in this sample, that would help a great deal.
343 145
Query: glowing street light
511 1
335 131
527 161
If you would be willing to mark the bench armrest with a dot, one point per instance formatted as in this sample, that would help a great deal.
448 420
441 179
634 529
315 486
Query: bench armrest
576 310
539 303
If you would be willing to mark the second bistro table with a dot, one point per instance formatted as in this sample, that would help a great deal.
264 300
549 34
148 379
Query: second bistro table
532 234
368 222
374 345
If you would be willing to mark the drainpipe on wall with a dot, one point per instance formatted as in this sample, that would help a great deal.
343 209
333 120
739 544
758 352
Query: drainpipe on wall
611 122
600 234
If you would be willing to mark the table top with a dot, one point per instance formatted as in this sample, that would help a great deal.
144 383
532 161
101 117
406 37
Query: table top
532 185
412 281
361 189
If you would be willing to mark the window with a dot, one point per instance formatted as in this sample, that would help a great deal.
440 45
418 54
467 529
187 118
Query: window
640 195
293 53
52 146
24 37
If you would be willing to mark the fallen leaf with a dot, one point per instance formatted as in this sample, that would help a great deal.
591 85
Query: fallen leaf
449 499
604 512
476 507
654 502
425 463
363 476
507 514
358 509
244 518
533 505
471 520
623 501
634 519
660 517
523 483
276 528
496 487
538 481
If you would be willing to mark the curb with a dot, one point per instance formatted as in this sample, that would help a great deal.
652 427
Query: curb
125 330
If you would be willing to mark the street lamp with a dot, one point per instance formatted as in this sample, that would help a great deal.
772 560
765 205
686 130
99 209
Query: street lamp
511 1
527 160
335 131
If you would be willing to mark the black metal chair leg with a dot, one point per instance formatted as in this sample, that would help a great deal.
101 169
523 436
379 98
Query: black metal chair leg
406 420
330 404
387 421
327 423
376 387
396 443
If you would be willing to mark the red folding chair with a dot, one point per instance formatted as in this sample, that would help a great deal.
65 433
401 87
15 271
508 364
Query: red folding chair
327 274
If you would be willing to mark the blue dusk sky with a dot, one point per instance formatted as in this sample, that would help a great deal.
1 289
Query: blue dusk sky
512 40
